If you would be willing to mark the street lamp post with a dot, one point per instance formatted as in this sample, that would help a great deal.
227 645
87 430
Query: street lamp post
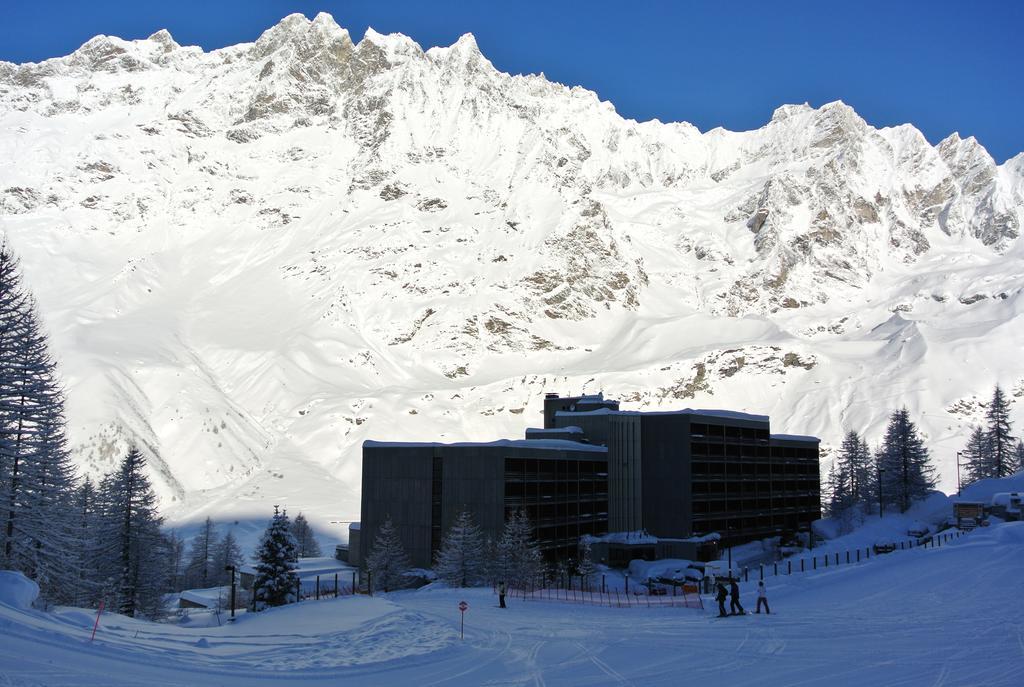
881 471
231 569
958 473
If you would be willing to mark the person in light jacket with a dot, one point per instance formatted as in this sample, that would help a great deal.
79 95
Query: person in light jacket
502 588
762 598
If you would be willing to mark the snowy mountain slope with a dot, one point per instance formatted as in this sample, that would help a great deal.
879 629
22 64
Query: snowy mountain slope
254 258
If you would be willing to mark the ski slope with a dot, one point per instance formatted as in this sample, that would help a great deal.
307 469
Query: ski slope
949 616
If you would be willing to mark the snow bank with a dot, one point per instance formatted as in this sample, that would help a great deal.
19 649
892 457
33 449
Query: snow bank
1009 533
984 490
16 590
673 568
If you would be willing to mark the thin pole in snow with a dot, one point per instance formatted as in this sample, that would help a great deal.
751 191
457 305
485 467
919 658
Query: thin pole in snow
97 624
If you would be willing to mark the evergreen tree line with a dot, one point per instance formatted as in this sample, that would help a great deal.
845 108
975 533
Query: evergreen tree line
467 558
901 470
81 542
898 473
205 563
992 450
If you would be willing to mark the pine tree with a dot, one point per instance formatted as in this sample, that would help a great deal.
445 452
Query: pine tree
227 552
308 546
276 582
1000 439
586 568
976 457
837 499
908 473
854 470
461 560
387 562
1018 452
85 522
133 554
176 561
519 562
36 476
200 572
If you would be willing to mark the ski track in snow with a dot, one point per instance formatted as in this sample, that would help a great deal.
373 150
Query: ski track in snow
944 616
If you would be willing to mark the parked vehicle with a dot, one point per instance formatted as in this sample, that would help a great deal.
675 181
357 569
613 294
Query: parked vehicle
918 530
884 546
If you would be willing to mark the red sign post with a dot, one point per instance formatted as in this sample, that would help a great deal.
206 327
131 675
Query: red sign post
462 627
98 614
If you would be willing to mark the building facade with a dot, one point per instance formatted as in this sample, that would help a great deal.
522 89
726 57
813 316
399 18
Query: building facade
422 487
594 469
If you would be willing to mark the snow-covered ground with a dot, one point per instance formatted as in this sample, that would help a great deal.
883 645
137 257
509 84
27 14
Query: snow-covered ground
949 615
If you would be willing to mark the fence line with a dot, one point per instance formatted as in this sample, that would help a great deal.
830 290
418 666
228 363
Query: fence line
852 556
681 597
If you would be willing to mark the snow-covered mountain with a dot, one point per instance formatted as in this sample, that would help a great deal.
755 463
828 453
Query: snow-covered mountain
254 258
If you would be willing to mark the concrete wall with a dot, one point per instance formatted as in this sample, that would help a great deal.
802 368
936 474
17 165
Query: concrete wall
624 474
665 481
397 483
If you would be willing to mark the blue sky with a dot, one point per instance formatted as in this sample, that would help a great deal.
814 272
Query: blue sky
942 66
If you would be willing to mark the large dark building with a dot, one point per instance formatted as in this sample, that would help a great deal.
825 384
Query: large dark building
562 486
593 469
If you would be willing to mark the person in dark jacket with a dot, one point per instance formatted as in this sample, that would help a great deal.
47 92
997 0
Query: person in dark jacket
722 595
502 588
734 598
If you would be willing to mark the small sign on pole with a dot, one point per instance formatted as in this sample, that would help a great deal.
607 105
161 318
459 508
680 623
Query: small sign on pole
463 606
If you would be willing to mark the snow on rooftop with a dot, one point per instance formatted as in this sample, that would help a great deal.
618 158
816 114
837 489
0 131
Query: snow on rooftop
310 567
794 437
205 597
571 429
705 412
538 444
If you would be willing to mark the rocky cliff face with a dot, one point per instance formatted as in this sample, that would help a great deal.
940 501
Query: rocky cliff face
254 258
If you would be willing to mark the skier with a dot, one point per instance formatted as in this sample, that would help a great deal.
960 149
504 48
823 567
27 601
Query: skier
501 594
762 598
734 601
722 594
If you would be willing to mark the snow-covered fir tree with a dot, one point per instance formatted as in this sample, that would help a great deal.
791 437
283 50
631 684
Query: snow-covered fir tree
975 457
855 465
1001 442
834 490
387 562
36 476
307 543
908 474
276 581
1018 453
133 551
518 558
461 560
586 568
227 552
200 572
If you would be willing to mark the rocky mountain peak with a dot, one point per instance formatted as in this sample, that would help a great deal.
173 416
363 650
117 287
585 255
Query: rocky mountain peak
164 39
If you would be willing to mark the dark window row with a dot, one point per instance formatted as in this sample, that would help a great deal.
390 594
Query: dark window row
712 469
710 431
